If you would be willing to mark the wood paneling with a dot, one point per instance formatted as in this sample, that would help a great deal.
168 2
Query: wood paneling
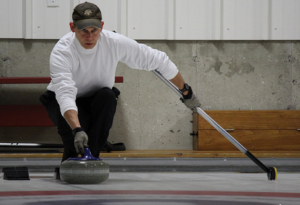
253 119
266 131
252 140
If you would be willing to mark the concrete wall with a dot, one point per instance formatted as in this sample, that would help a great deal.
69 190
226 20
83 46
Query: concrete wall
225 75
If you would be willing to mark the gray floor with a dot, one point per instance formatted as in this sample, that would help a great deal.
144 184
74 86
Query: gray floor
211 187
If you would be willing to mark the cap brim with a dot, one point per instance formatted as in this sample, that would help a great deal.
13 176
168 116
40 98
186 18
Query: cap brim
81 24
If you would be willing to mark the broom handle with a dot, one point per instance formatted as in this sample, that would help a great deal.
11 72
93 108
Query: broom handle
214 124
203 114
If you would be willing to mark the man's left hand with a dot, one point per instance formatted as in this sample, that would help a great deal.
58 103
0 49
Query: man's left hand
190 100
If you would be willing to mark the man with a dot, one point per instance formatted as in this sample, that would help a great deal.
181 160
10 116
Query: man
80 98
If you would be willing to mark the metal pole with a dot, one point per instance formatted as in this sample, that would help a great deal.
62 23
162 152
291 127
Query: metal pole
214 124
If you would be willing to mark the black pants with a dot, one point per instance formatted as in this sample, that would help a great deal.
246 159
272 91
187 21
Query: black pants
95 113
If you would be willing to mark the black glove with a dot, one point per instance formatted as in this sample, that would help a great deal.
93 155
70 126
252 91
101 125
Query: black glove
190 100
80 140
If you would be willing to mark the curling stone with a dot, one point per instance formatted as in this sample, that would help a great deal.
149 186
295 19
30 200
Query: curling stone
84 170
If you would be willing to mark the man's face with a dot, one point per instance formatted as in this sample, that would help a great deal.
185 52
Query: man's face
88 36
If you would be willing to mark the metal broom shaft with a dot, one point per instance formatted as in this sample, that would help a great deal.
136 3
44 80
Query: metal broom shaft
214 124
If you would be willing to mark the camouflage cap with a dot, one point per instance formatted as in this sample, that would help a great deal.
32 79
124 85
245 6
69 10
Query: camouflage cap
85 15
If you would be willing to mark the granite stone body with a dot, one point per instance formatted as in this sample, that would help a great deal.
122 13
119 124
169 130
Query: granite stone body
84 170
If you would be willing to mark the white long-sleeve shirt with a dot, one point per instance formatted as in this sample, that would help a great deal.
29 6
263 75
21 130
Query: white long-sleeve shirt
78 72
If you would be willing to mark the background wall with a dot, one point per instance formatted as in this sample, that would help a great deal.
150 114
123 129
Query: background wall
234 63
159 19
225 75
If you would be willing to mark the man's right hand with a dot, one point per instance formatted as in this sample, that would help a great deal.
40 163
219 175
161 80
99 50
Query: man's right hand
80 142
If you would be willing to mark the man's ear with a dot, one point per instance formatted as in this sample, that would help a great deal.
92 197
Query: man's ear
72 27
102 23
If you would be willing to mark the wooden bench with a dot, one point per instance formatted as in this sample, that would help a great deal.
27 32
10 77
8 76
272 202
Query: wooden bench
268 132
27 115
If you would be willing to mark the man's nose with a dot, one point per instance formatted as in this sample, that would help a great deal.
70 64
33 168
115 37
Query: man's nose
88 35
